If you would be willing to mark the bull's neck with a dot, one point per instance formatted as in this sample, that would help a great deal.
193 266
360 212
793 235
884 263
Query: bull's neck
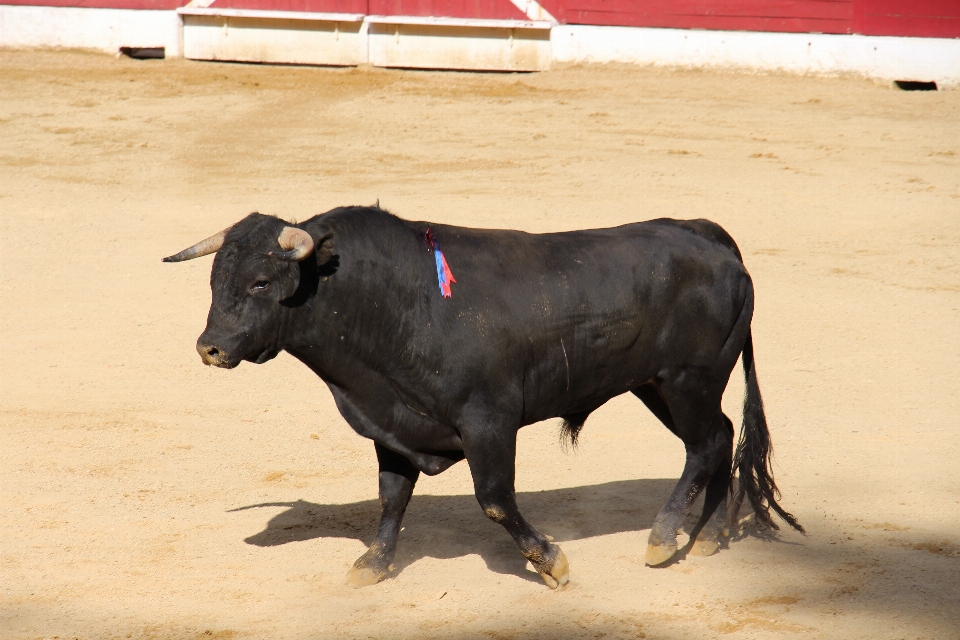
360 322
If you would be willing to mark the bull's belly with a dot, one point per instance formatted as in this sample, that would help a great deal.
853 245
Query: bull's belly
587 396
575 376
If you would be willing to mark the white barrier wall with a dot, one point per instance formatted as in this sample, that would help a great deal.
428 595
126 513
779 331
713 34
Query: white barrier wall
99 29
885 58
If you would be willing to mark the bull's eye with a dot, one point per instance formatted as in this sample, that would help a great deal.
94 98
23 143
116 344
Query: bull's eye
260 285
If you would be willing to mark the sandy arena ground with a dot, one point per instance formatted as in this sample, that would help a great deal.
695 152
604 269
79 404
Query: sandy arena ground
147 496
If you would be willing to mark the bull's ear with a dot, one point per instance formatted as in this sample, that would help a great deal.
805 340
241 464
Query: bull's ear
324 248
310 270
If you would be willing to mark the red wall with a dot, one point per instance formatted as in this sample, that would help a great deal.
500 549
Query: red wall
102 4
927 18
824 16
922 18
319 6
502 9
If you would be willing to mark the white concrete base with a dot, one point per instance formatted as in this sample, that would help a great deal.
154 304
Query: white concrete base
884 58
481 45
321 39
98 29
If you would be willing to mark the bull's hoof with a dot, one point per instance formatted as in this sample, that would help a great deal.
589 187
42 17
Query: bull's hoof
559 574
704 548
364 577
660 554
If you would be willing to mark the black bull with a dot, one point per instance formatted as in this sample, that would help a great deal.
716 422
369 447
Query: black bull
537 327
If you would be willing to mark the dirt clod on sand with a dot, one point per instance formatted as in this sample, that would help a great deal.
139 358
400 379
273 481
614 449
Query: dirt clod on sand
148 496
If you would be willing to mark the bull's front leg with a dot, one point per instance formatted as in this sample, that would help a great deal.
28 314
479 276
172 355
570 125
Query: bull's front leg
492 458
397 479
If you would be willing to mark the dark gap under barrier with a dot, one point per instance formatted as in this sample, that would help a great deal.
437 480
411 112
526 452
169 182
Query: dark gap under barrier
915 85
144 53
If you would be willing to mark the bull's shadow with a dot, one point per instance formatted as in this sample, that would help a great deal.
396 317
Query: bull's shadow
454 526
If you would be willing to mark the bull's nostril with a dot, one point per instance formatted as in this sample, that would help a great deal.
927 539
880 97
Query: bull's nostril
210 354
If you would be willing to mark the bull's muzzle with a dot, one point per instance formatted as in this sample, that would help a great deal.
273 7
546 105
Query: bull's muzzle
214 356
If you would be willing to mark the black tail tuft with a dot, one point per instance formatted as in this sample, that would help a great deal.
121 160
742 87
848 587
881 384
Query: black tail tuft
754 452
570 428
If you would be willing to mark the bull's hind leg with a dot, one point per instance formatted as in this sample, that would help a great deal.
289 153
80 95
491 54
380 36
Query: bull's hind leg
397 479
708 440
714 523
492 456
705 457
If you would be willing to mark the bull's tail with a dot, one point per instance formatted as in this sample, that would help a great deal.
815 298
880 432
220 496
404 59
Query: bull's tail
754 452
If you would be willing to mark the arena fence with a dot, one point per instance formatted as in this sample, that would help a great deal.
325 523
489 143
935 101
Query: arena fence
905 40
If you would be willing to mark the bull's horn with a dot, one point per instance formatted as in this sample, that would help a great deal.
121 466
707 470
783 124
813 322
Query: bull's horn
296 244
202 248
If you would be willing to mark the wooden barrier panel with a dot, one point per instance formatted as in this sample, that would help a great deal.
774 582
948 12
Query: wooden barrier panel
289 37
458 43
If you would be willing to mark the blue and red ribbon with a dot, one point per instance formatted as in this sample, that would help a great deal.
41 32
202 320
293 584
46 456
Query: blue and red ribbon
444 275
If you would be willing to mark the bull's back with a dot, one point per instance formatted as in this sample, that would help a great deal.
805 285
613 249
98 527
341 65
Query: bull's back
543 278
584 315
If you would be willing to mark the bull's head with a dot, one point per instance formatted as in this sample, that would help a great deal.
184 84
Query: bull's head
255 277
